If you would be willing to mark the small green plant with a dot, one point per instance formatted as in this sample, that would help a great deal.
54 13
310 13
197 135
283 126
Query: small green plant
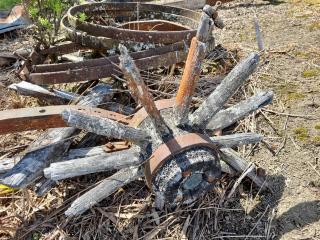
301 133
317 126
46 16
311 73
8 4
82 17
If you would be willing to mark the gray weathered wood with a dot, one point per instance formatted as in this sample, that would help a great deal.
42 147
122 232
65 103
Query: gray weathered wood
103 190
258 34
99 163
103 126
50 146
52 96
140 91
224 91
8 163
229 116
232 158
238 139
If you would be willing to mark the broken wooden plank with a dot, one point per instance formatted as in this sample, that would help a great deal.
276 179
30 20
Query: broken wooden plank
224 91
100 163
50 146
103 190
229 116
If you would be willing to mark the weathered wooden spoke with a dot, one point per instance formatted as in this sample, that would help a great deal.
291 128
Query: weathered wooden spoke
103 190
104 126
224 91
99 163
229 116
140 91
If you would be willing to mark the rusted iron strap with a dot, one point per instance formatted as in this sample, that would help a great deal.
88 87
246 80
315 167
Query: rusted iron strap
141 115
25 119
107 60
91 73
116 146
63 48
174 146
153 25
180 15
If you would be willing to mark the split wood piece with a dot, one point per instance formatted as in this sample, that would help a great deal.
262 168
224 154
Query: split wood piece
229 116
78 167
224 91
50 146
232 158
103 190
229 141
43 186
191 71
103 126
140 91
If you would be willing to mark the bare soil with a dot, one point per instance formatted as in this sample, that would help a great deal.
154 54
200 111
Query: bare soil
290 66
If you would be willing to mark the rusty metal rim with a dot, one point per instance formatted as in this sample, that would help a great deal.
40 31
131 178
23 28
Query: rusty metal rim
107 60
91 73
141 115
125 34
35 118
174 146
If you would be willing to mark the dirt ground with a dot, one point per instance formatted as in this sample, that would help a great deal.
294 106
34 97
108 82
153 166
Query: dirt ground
290 66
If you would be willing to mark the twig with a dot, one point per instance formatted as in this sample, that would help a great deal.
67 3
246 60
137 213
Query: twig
309 117
236 184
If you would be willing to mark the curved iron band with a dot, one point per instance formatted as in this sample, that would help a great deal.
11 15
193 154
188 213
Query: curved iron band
179 15
91 73
141 115
84 39
169 149
42 68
